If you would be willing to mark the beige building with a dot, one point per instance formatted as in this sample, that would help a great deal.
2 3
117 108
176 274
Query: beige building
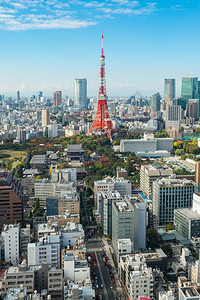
197 172
69 202
45 117
79 252
148 174
62 220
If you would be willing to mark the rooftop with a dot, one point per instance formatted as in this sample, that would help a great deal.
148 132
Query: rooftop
189 213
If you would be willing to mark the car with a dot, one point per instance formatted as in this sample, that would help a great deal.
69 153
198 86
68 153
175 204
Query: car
97 286
102 286
111 287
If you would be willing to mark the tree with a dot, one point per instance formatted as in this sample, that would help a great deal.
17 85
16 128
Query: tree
168 250
179 152
153 238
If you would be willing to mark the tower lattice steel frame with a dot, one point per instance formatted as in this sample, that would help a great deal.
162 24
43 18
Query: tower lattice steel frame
102 121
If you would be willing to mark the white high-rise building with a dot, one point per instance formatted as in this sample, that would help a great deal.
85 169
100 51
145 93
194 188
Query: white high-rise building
52 130
11 242
80 93
170 194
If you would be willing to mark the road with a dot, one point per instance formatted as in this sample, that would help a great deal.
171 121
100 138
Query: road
102 272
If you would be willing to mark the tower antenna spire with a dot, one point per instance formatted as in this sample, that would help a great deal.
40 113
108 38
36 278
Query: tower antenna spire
102 44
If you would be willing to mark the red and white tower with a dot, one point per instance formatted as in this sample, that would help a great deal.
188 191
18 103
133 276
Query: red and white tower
102 121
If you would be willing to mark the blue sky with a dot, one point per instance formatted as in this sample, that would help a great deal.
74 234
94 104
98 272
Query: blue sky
45 44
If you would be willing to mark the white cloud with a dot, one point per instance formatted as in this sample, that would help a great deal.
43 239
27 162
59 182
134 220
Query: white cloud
18 5
50 14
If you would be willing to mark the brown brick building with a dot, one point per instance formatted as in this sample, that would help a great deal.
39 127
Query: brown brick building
11 195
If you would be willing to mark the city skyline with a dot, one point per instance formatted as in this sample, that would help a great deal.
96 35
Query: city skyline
46 45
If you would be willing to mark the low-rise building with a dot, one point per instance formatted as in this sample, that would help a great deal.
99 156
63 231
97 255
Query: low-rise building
75 269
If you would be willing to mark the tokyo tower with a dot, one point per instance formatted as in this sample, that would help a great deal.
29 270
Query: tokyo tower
102 122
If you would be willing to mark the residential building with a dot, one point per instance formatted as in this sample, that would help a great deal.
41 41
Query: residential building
136 276
150 173
169 91
45 117
34 278
15 276
11 199
170 194
188 89
80 93
46 250
11 243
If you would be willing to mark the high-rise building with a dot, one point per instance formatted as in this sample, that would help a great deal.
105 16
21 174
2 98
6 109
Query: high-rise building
148 174
155 102
57 96
193 109
11 196
129 222
11 242
188 89
173 116
80 93
170 194
169 91
45 117
18 96
197 173
40 96
52 130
